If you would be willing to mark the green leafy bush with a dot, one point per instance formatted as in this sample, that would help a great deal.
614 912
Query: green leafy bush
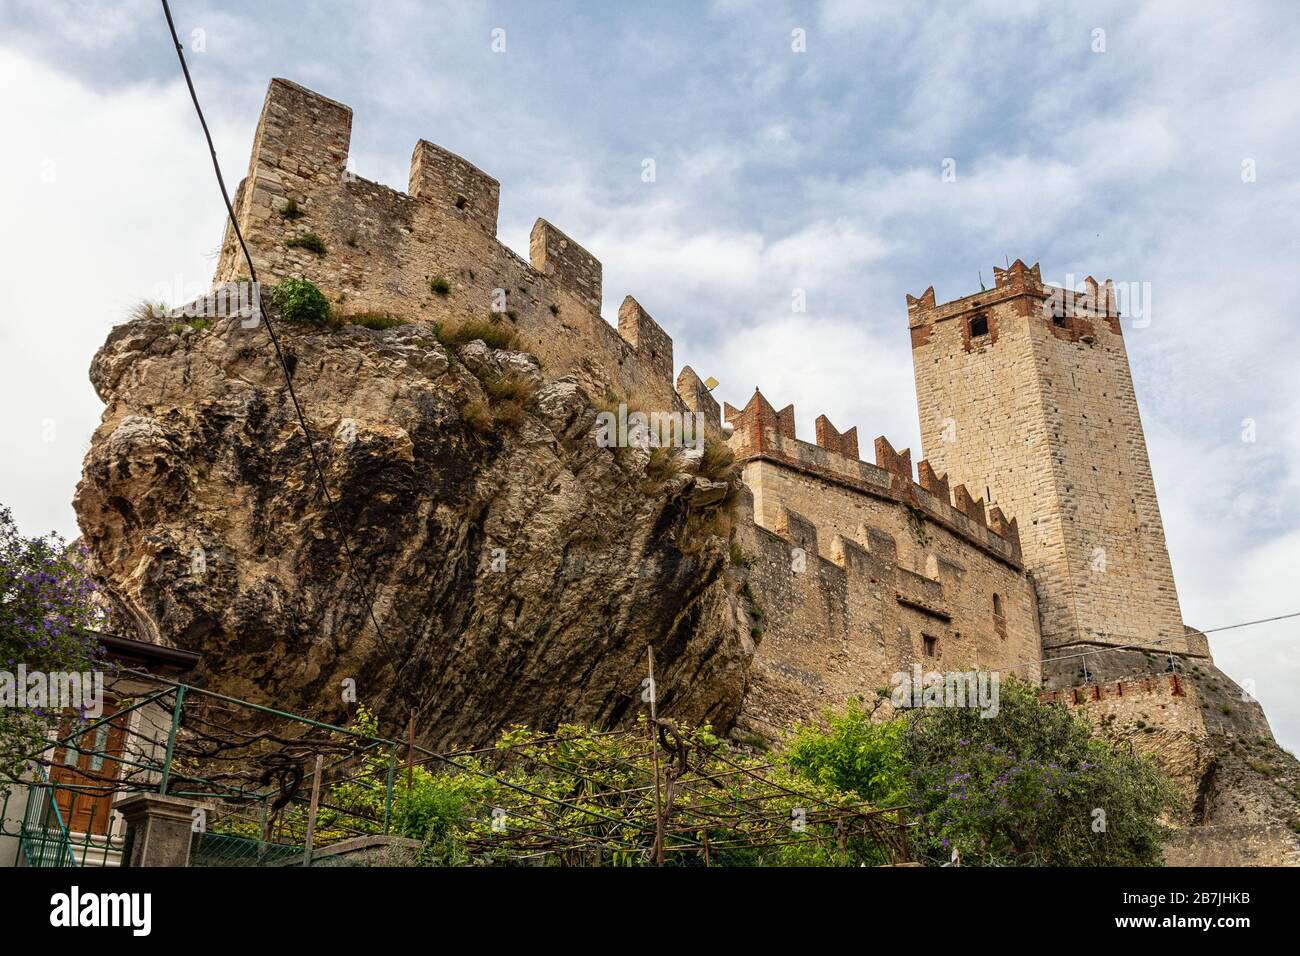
1031 787
1027 787
298 300
853 755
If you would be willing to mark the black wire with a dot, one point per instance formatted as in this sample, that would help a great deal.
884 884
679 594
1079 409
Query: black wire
275 341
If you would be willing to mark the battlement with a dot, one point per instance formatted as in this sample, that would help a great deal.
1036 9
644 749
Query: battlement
842 610
760 432
431 254
650 341
554 254
1071 314
444 178
1167 685
1167 701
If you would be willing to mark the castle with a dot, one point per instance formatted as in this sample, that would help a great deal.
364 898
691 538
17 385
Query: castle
1028 540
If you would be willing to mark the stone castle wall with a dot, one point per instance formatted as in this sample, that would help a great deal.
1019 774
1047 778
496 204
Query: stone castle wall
385 249
863 572
1038 412
1168 701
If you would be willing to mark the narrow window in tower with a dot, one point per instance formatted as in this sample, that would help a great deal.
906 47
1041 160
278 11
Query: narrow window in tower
931 645
999 620
979 325
1058 315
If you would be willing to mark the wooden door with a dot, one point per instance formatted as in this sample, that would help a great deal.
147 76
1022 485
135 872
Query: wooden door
85 794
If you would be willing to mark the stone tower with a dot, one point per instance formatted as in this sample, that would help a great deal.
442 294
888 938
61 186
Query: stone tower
1025 394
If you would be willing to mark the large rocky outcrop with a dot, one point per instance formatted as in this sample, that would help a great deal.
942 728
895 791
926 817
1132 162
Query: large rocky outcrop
518 570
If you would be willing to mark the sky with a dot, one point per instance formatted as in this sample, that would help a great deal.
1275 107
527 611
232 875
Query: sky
853 150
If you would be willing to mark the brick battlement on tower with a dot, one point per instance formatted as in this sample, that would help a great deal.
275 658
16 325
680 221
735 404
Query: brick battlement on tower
1070 314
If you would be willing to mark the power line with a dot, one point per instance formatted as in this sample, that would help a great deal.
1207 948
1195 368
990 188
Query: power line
279 354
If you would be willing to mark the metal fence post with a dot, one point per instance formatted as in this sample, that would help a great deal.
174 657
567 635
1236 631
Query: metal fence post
171 739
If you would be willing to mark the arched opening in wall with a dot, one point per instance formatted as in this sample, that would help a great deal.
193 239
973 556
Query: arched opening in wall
999 619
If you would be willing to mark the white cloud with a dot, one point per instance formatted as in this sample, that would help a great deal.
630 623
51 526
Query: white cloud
106 198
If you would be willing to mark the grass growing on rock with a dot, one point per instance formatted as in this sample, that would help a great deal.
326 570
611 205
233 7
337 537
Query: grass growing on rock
494 334
478 416
373 320
511 387
144 309
507 395
663 465
309 241
197 324
718 463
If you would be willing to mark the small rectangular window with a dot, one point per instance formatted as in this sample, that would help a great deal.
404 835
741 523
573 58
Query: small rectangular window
979 325
931 645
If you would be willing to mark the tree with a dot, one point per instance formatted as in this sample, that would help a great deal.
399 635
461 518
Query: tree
1031 787
46 602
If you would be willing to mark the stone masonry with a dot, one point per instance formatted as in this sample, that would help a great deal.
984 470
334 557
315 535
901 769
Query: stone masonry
1025 395
386 251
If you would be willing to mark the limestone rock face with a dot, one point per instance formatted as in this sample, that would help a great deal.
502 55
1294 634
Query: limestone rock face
518 571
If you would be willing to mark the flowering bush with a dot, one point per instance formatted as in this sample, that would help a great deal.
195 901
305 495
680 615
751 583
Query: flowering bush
1031 787
45 601
1028 787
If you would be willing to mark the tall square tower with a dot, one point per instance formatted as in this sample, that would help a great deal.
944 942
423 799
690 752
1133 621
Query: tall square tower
1025 393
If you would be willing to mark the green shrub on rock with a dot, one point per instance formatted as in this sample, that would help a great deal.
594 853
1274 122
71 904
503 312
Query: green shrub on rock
299 301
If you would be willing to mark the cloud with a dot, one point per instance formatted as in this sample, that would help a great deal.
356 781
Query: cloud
115 202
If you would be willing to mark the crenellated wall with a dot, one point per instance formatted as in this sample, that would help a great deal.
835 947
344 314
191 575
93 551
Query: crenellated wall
856 565
1168 701
760 433
385 249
